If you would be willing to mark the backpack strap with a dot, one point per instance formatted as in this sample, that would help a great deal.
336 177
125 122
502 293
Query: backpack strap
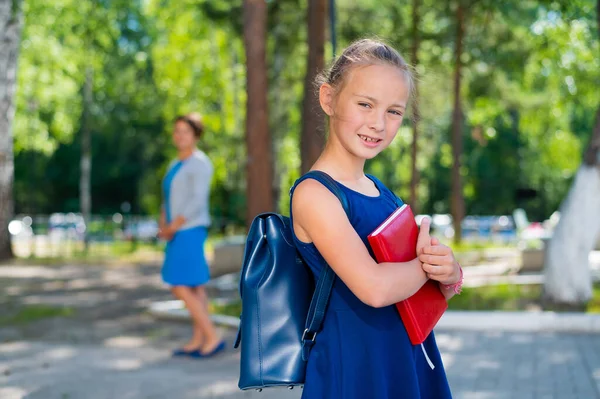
320 299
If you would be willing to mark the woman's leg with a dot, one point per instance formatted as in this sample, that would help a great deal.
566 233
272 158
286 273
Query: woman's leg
211 338
196 308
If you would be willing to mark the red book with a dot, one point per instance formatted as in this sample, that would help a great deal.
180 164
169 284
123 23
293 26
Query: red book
395 240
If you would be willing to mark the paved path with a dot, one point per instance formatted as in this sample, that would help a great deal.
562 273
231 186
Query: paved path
480 365
111 348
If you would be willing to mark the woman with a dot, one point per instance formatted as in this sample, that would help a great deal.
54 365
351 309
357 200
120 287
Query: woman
183 223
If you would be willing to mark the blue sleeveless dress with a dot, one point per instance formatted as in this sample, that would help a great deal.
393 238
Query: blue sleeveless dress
364 352
184 263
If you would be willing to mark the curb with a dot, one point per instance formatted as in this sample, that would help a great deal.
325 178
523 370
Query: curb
496 321
173 310
519 322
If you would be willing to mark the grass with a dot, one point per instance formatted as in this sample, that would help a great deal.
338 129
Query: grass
498 297
31 313
594 305
229 309
512 298
504 297
117 251
469 246
120 251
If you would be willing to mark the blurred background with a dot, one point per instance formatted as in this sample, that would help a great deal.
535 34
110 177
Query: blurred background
507 97
502 147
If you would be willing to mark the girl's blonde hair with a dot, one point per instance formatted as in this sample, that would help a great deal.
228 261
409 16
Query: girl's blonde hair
364 52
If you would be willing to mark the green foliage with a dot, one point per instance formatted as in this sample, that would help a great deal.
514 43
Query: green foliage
59 42
530 79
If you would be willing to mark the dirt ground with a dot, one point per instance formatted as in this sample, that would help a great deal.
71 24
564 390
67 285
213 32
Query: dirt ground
83 304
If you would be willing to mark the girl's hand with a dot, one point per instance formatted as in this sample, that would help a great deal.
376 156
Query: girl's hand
439 263
424 238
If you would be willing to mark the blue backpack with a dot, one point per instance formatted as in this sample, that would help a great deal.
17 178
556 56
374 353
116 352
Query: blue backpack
282 307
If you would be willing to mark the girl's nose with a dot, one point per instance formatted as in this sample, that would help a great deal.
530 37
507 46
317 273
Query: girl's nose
377 122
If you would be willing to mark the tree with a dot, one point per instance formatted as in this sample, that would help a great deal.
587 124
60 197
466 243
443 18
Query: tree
312 137
457 200
567 275
258 142
414 60
85 162
11 17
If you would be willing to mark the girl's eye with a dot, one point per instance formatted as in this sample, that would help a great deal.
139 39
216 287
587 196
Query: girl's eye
394 112
365 105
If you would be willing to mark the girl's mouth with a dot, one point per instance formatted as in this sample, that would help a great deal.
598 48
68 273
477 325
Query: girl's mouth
368 139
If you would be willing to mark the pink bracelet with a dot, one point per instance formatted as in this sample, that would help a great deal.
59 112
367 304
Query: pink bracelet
456 287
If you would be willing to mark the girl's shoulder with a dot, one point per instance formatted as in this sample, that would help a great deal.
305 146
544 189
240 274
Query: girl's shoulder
384 190
378 182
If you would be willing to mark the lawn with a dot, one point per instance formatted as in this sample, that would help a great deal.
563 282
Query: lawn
511 298
498 297
30 313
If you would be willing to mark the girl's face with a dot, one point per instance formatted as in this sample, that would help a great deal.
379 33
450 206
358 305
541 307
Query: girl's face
183 136
367 112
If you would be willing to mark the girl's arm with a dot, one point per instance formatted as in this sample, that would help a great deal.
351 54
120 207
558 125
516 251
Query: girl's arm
448 292
319 217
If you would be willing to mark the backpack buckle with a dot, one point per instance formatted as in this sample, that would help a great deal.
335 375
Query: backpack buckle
309 335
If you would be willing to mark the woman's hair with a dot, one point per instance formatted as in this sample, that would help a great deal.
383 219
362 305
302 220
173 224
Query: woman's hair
364 52
194 120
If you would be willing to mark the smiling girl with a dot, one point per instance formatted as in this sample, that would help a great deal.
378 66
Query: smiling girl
363 350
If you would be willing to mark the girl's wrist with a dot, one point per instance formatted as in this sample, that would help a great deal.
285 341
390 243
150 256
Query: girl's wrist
456 287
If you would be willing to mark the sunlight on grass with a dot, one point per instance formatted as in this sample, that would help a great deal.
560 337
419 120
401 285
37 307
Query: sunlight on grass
594 305
468 246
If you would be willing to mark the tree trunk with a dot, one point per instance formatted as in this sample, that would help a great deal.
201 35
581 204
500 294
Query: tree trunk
279 112
567 276
592 152
11 21
457 202
258 143
414 181
85 165
313 120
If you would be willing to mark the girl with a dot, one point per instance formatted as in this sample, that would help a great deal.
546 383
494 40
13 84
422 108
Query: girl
363 350
183 223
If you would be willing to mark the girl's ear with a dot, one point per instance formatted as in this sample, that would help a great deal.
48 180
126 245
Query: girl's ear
326 94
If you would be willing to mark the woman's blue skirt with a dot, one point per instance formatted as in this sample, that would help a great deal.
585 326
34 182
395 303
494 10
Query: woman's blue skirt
185 263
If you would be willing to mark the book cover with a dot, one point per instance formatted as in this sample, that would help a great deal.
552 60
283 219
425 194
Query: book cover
395 240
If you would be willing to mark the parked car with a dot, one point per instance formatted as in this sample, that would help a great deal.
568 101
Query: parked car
141 230
69 226
473 227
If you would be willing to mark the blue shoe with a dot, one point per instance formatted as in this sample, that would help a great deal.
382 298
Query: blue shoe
183 352
198 354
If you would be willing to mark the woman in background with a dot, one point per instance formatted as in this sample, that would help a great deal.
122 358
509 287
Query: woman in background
183 224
